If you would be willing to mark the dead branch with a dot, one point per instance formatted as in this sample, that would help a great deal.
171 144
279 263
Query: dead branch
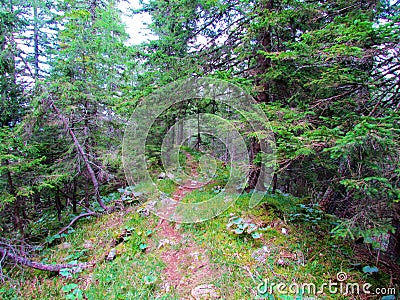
76 219
18 259
82 153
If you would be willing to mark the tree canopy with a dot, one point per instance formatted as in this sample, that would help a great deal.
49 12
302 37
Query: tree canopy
325 73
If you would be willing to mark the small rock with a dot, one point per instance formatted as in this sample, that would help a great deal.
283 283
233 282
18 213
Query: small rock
261 254
88 244
195 255
143 212
65 245
167 287
112 254
205 291
163 243
282 262
161 175
284 231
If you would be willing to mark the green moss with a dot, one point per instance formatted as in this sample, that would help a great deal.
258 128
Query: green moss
288 251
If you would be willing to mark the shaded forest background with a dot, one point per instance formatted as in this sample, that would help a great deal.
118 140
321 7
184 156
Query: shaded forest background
326 73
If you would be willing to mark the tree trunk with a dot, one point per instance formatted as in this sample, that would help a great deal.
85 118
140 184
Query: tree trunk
74 186
82 153
197 146
36 39
274 183
328 198
394 240
87 195
11 255
58 205
263 64
17 220
256 172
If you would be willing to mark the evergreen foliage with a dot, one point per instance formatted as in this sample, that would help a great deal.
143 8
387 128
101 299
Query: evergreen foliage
326 74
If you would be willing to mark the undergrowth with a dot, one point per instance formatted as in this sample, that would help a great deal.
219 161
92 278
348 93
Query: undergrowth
293 245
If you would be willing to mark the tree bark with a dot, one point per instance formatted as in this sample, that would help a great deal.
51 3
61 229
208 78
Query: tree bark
76 219
18 259
394 239
262 65
58 205
274 182
328 198
256 172
36 39
82 153
17 220
74 186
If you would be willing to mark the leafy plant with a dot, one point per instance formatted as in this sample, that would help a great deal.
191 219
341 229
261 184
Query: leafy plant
370 270
52 238
241 226
149 279
72 292
308 213
376 235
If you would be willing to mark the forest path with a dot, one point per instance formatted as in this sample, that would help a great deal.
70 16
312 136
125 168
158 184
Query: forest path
188 269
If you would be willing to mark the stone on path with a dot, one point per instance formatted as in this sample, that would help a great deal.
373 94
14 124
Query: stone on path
205 291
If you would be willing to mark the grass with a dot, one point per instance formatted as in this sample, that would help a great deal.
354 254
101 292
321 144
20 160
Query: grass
233 256
287 252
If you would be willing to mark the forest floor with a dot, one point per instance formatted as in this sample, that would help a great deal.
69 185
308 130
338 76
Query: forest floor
187 269
290 251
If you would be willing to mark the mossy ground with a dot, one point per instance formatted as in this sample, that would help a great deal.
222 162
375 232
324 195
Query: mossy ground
289 252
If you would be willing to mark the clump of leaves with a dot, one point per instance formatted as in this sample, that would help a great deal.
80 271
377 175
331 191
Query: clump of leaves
52 238
72 292
310 214
240 226
375 234
370 270
149 279
129 195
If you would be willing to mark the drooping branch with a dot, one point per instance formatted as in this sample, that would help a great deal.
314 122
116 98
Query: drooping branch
76 219
81 153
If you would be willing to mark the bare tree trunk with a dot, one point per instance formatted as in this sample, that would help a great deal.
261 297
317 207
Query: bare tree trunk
256 172
198 142
74 186
263 64
8 253
87 194
274 182
328 197
394 240
82 153
17 220
36 39
58 205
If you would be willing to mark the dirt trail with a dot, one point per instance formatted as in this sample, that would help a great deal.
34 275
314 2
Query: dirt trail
187 264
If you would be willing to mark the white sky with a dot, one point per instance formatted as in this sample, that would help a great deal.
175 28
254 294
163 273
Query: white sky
135 25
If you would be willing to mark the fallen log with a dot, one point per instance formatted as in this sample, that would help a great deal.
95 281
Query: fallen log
18 259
